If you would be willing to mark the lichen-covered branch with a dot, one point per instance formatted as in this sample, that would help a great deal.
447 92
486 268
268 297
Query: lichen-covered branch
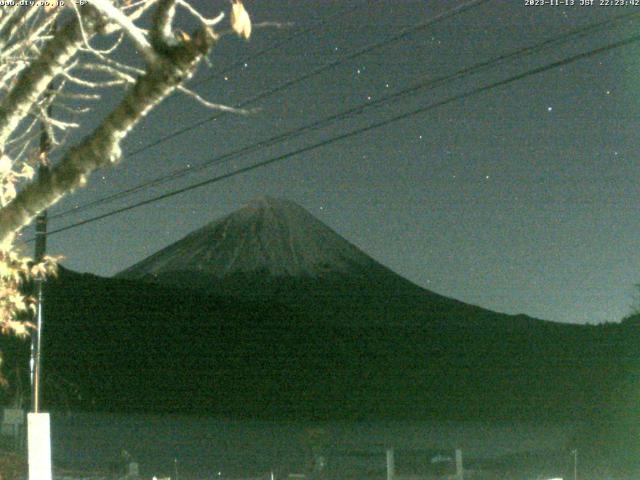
114 14
102 147
35 78
12 22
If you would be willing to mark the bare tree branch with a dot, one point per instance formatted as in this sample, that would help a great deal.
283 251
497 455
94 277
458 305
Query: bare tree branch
33 81
13 22
137 35
213 105
208 22
102 147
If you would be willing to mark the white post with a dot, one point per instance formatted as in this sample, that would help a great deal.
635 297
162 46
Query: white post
39 445
459 466
391 465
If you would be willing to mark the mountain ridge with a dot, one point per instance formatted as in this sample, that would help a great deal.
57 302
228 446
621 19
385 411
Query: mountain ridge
274 250
274 235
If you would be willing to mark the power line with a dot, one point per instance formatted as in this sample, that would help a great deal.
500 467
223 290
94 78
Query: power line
260 96
323 68
458 10
581 31
359 131
280 43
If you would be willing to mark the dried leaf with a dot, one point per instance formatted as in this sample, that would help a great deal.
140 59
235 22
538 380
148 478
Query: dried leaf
184 36
5 165
240 21
27 172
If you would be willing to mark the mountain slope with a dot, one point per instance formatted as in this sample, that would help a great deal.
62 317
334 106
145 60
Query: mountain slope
274 250
273 236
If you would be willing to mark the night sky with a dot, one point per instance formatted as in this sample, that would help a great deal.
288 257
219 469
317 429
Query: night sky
520 199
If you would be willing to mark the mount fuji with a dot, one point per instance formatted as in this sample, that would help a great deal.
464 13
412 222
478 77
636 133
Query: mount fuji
271 236
275 250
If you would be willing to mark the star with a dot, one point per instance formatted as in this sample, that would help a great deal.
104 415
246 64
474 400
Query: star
549 109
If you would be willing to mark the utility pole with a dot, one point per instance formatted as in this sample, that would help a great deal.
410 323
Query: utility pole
39 424
40 251
44 170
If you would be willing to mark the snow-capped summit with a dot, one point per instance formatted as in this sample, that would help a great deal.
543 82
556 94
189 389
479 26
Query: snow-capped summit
270 236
